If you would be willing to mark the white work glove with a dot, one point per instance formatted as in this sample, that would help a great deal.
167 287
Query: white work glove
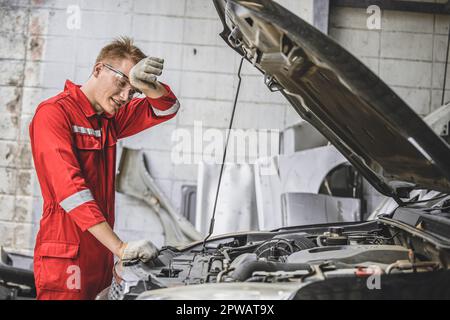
143 74
142 250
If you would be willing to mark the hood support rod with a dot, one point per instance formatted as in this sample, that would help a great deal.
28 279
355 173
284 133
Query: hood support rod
446 65
211 225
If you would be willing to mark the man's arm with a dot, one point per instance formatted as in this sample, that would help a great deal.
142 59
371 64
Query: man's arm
128 253
108 238
155 92
142 113
159 105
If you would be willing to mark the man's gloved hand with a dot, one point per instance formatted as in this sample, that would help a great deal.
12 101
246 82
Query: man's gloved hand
143 74
142 250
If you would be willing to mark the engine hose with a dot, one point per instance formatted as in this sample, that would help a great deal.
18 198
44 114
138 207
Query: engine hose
246 269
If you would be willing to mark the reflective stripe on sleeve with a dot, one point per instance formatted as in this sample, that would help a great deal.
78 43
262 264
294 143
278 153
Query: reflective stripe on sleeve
173 109
76 200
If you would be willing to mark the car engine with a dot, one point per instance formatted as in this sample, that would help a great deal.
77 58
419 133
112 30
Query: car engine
307 256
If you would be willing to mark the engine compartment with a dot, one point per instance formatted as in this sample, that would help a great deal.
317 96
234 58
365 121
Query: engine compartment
322 253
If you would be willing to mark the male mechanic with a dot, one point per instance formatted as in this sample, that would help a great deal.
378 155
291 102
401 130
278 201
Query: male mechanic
73 140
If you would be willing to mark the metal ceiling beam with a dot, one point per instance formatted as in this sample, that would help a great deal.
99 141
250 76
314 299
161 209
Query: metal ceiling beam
410 6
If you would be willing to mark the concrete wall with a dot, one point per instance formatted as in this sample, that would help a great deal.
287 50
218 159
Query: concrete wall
42 46
408 52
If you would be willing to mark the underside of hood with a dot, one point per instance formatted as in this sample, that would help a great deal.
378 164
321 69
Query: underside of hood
368 123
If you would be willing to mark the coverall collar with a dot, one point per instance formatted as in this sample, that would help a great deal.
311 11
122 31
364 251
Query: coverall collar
75 91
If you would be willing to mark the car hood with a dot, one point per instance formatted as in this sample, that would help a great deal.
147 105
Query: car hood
224 291
367 122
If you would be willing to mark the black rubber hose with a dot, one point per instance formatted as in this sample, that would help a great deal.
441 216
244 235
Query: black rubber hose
245 270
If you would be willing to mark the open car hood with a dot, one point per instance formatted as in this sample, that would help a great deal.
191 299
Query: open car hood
367 122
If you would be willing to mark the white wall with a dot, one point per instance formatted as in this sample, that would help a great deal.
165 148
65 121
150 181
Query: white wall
408 52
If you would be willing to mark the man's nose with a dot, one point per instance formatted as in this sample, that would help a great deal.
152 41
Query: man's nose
124 95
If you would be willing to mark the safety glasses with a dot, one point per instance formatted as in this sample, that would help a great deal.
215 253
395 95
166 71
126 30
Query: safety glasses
123 82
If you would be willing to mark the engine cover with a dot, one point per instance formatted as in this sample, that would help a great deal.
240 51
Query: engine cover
351 254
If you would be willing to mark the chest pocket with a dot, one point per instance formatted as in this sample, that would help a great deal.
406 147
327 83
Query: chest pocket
87 138
87 143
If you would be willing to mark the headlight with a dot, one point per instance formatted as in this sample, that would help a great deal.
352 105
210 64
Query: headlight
128 282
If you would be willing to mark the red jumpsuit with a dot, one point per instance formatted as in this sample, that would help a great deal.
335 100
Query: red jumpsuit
74 152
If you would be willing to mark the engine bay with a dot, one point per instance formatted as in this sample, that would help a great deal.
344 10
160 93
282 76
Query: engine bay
304 256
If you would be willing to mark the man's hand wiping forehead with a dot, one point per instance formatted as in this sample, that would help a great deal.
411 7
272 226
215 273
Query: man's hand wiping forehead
144 74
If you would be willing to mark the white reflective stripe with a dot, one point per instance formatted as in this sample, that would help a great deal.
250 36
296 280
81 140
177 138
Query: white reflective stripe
88 131
76 199
173 109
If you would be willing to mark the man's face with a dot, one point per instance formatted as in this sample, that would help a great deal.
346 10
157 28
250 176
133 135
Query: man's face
113 90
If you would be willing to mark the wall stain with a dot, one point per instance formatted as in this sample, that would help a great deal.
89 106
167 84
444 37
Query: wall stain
23 182
24 156
17 81
10 152
13 106
20 214
36 48
15 120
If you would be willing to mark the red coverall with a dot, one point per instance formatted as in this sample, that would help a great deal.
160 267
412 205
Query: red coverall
74 152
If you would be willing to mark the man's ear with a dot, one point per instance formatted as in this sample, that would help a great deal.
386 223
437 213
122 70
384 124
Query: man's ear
98 66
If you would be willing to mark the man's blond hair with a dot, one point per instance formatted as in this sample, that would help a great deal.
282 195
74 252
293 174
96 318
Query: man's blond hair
120 48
